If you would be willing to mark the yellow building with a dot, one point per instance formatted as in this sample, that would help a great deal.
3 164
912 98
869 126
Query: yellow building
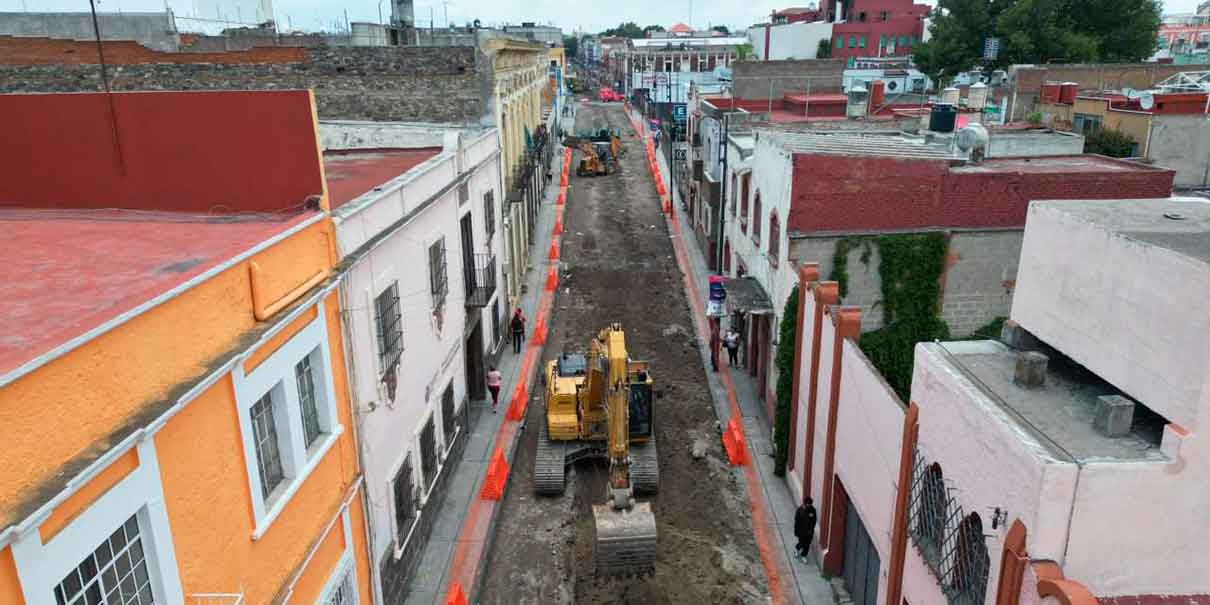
1089 113
519 74
177 426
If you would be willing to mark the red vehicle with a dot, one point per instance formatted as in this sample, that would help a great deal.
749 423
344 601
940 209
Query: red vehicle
607 95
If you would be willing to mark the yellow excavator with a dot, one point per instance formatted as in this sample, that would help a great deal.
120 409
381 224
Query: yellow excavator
600 405
599 158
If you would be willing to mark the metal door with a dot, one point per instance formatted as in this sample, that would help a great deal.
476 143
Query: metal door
861 562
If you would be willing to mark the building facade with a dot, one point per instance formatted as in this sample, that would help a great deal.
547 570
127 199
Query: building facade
417 211
875 28
666 68
992 483
194 377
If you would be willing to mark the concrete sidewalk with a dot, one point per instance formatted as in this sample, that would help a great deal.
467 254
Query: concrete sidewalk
806 582
429 583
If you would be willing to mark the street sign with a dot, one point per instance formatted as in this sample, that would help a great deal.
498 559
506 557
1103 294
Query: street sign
678 113
991 48
678 154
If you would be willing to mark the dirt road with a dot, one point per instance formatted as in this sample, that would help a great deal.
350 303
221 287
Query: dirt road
618 265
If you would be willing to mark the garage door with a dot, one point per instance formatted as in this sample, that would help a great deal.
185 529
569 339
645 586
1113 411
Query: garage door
861 561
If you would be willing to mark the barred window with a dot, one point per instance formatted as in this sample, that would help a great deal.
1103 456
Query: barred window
448 421
464 193
403 489
968 583
489 213
268 448
389 324
114 573
428 454
930 516
438 279
306 400
756 224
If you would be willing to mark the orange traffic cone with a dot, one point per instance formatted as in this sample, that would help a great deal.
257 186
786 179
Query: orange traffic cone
558 225
552 279
554 251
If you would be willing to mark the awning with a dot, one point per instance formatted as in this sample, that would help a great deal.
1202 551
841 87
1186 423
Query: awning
745 295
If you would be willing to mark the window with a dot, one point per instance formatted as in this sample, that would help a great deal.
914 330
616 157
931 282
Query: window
774 238
389 324
496 321
428 454
839 41
464 193
438 280
912 40
930 515
449 423
1085 124
883 15
743 202
861 41
882 37
268 448
734 187
902 40
756 224
489 213
852 41
403 492
306 401
341 588
971 563
114 573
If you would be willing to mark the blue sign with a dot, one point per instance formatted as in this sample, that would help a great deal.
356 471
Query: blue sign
678 113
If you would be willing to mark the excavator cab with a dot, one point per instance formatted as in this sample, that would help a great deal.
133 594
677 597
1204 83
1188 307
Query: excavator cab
641 419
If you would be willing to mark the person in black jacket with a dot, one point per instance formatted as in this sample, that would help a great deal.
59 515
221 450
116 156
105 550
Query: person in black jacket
804 527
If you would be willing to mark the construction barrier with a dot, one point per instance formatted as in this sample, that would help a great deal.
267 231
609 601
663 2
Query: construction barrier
496 478
552 279
659 188
455 596
539 336
554 250
559 201
516 407
558 230
563 179
666 205
735 443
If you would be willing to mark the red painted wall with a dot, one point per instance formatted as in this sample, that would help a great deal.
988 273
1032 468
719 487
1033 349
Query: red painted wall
845 193
49 51
900 26
184 151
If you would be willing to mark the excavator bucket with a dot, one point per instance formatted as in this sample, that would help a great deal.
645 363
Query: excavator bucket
626 539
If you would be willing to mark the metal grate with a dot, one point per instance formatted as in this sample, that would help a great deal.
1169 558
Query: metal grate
489 213
950 541
428 454
115 572
480 280
389 325
449 422
405 500
345 593
268 448
306 400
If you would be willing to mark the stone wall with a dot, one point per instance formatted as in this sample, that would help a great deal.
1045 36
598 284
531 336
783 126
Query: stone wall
978 282
413 84
760 79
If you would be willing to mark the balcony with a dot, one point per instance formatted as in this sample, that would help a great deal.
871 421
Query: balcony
480 280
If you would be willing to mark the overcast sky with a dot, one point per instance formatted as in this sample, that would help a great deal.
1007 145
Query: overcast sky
317 14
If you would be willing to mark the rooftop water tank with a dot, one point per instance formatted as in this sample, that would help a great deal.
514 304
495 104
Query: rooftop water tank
1067 92
942 118
858 102
1050 92
950 96
976 98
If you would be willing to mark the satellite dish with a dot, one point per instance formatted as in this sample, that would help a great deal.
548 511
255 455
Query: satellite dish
1146 100
1130 93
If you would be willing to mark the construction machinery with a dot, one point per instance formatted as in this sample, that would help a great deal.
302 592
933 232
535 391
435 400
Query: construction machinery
600 405
600 152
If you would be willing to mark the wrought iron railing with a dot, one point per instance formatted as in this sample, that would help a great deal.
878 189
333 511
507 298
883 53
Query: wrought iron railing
480 280
216 598
950 541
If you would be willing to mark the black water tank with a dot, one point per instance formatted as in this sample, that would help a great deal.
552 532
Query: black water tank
942 117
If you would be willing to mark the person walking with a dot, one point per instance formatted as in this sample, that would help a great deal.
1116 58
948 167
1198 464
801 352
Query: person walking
804 528
731 341
517 324
494 380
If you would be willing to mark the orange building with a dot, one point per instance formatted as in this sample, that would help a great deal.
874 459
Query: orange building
176 424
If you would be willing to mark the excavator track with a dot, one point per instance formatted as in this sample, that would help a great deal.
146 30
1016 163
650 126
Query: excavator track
550 466
644 468
626 540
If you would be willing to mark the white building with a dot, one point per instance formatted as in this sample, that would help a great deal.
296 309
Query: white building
780 41
667 67
417 210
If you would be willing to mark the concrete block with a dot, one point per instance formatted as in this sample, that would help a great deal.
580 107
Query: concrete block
1114 415
1031 369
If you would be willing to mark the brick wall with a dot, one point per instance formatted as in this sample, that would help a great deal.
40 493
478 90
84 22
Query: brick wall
1028 80
979 278
51 51
847 194
419 84
752 78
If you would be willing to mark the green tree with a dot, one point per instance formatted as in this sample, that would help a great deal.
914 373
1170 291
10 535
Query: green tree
629 29
787 340
1037 31
652 28
743 52
825 49
1111 142
722 29
571 46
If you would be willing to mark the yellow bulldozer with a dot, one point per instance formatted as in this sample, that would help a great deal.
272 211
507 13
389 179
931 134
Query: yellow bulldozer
598 157
600 405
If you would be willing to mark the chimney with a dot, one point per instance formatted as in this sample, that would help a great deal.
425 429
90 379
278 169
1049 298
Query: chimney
1031 369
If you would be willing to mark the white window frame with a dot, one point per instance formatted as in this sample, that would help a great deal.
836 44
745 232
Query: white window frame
276 374
344 567
40 567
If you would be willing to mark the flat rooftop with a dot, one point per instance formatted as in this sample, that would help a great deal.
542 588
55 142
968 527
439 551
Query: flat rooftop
353 172
1059 413
1065 164
1181 225
54 290
858 144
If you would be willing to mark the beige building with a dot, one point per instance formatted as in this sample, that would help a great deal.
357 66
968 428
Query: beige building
1091 112
518 76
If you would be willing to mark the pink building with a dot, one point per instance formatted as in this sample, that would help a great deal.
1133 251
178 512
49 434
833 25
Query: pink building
1062 465
875 28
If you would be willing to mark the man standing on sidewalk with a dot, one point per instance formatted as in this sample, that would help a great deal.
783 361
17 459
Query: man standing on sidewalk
518 328
804 528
